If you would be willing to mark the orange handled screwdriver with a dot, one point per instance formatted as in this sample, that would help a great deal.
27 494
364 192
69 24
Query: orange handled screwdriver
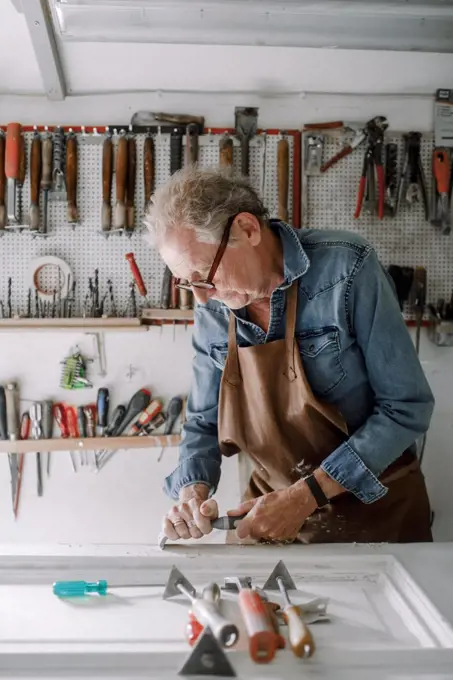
441 172
130 257
263 641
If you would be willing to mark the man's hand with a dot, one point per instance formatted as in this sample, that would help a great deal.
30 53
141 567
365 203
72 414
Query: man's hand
192 516
276 516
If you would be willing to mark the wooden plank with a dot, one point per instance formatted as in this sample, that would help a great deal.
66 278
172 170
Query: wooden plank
167 314
73 324
91 444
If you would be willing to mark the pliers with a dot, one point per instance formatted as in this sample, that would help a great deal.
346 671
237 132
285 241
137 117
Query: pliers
373 171
412 187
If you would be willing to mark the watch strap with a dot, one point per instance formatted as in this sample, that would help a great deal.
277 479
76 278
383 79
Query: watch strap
317 493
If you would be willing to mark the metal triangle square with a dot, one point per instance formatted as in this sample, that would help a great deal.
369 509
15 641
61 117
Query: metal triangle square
207 658
281 571
171 588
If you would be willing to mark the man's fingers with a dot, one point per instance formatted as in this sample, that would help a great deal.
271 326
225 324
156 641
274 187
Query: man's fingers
202 522
244 527
177 517
243 508
169 530
209 509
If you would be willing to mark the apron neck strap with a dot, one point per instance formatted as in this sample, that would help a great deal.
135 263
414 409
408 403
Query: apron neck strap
234 374
291 310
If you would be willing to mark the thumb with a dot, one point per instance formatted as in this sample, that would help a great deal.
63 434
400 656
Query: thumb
243 508
209 509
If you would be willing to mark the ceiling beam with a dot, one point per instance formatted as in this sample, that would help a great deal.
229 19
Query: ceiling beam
40 27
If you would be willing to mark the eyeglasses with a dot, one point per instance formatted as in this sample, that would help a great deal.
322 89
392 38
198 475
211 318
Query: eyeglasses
206 284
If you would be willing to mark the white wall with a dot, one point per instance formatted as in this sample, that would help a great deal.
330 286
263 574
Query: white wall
108 83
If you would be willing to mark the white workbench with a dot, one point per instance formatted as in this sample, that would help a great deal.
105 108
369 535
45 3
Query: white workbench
391 610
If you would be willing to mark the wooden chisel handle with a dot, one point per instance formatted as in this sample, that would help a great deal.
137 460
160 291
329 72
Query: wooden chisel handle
283 178
13 151
71 177
35 180
121 181
226 152
107 175
131 178
22 161
2 181
130 257
165 292
148 168
47 149
191 144
185 297
300 637
174 294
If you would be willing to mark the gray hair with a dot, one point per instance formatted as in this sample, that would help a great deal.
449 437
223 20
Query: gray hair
201 200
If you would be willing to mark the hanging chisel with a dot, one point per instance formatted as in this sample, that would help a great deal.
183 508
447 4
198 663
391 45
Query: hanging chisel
58 163
12 170
283 178
71 177
130 257
117 417
36 433
25 425
62 422
5 397
35 181
246 128
102 410
107 175
191 144
226 152
2 182
82 428
119 219
90 420
131 178
173 412
46 178
148 169
47 427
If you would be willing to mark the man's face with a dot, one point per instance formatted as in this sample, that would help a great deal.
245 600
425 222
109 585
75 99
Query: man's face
239 279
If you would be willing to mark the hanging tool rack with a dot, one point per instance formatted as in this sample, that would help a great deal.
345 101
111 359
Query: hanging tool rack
79 236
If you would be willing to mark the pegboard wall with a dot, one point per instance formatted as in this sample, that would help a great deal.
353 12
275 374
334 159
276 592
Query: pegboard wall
84 248
329 202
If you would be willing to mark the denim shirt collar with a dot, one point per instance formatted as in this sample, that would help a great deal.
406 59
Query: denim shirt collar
295 260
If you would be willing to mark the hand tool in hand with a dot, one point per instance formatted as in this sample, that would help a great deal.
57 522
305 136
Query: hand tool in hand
300 637
226 152
62 422
36 433
130 257
205 609
191 157
442 174
263 641
47 427
148 168
412 185
391 179
402 278
225 523
145 417
25 427
131 179
173 412
2 181
58 164
417 300
102 410
46 178
12 171
119 217
101 587
373 171
283 178
82 429
246 122
71 177
107 175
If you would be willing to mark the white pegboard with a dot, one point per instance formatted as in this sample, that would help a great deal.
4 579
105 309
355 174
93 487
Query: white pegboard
85 249
405 240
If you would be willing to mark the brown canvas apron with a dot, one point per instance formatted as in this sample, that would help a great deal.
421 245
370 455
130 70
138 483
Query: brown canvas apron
268 410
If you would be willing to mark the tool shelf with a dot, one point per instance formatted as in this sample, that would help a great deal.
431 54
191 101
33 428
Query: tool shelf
89 443
149 317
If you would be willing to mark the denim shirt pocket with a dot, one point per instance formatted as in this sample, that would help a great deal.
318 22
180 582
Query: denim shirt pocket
218 354
320 353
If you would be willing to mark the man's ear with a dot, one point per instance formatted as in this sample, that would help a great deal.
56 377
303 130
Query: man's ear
247 227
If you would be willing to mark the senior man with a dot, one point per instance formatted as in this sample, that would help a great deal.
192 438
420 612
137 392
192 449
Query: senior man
302 361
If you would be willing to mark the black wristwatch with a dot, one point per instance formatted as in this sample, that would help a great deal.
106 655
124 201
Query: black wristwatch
318 494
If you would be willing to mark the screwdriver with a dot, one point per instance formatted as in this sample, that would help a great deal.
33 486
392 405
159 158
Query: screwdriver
139 401
173 412
145 417
25 425
47 427
81 588
130 257
60 417
12 427
82 427
117 417
300 637
102 409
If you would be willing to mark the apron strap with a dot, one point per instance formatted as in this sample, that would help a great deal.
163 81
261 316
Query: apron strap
291 311
232 370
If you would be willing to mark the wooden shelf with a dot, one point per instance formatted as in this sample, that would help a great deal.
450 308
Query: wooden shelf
74 324
167 315
89 444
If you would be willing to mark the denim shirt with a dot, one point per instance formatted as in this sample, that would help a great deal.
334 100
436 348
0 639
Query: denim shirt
355 349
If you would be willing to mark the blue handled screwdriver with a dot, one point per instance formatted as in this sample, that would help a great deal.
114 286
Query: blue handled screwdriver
82 588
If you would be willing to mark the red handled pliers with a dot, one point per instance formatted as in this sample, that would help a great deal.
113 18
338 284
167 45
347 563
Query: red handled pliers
373 170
